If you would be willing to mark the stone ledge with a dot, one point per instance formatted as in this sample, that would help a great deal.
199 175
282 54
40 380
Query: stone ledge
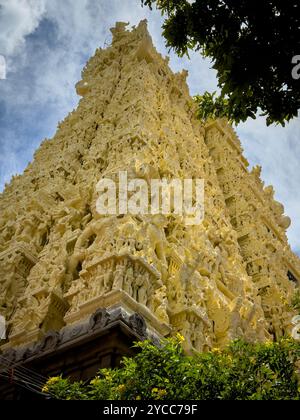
113 300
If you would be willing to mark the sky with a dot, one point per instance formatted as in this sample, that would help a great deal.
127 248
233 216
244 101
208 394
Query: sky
46 43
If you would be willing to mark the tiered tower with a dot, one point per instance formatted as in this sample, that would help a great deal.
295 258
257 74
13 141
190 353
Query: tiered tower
64 265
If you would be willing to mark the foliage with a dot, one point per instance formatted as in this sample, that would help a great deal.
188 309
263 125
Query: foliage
251 44
210 106
242 371
295 303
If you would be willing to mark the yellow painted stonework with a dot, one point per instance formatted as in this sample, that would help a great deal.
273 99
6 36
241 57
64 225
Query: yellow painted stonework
231 276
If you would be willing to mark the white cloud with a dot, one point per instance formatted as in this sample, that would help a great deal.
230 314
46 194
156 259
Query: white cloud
18 18
2 67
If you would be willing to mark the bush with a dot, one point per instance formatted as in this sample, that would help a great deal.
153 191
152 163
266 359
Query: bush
242 371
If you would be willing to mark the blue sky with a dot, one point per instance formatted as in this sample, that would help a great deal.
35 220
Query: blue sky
46 44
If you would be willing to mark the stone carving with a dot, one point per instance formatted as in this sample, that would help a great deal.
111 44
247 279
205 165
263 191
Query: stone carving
260 225
130 274
138 325
50 341
233 275
99 319
30 313
15 265
196 328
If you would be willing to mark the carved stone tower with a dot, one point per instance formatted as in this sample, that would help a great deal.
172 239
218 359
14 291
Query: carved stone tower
67 271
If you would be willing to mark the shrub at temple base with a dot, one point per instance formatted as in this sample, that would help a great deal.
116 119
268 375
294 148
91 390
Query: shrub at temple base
242 371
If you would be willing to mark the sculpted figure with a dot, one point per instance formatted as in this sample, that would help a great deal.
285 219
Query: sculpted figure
107 280
197 336
99 286
162 304
143 281
30 315
194 291
236 319
96 228
140 287
76 292
158 240
27 228
128 281
57 278
118 277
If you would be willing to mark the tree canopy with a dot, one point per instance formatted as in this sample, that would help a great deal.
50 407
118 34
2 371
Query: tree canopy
253 45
